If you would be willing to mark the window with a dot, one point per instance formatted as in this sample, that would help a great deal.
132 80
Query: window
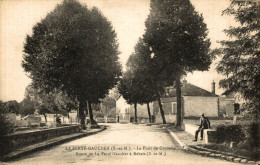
174 108
236 108
127 110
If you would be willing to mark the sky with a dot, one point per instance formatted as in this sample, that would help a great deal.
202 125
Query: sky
17 18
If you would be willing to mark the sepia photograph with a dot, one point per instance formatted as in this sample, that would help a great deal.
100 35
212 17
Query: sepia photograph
129 82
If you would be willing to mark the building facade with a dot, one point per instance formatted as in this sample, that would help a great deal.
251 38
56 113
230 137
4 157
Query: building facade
194 100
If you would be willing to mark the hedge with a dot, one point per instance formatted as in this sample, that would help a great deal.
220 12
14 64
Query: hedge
246 134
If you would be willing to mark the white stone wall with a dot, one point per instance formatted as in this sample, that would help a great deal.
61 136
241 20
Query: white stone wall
168 118
122 107
195 105
141 110
226 106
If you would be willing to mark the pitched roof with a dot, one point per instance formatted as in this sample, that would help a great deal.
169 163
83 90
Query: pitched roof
188 89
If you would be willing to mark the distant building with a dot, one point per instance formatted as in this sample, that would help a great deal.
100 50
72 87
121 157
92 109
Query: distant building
122 110
125 112
195 101
230 103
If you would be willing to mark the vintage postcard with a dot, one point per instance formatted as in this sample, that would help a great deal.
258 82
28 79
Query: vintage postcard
129 82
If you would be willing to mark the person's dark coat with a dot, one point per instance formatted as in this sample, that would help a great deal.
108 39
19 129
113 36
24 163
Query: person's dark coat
204 123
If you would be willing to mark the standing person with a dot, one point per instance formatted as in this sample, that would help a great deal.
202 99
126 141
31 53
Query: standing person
204 124
58 121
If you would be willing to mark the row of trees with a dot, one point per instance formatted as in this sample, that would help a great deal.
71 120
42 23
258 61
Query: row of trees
37 102
24 108
175 43
73 50
52 102
41 103
11 106
73 54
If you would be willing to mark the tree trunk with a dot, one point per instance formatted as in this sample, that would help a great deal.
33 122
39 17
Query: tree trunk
92 121
149 113
178 94
77 119
82 106
45 117
160 106
86 109
135 105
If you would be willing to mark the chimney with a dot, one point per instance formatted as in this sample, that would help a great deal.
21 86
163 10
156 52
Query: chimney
213 87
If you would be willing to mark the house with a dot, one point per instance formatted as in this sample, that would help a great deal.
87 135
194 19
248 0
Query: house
125 112
195 101
230 103
122 110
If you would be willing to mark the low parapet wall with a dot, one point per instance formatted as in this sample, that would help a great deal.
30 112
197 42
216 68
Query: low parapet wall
168 118
14 141
210 135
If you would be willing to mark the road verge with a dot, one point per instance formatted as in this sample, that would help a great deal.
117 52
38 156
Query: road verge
210 152
48 143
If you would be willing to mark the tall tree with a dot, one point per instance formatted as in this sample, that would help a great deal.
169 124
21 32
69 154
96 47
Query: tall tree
26 106
138 84
177 36
127 88
140 63
12 106
240 54
108 104
73 49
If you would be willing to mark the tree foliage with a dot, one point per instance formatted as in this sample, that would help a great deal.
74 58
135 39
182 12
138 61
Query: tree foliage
141 65
6 127
108 103
2 107
241 54
12 106
146 83
108 107
138 84
177 36
113 93
27 106
73 49
127 88
52 102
